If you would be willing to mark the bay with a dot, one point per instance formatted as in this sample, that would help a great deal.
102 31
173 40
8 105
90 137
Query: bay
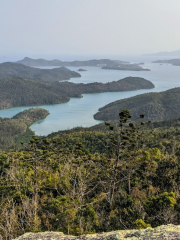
80 111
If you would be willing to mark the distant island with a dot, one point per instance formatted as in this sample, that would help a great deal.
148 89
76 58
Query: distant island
9 69
82 70
129 67
175 62
103 63
156 106
42 62
18 91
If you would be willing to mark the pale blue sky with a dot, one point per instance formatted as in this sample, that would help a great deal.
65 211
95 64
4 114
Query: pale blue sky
89 26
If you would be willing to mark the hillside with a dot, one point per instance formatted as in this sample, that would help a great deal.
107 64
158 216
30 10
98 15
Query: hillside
9 69
155 106
16 129
79 184
42 62
17 91
175 62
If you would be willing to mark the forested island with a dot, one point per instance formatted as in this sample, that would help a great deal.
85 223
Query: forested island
18 91
175 62
93 63
16 129
156 106
9 69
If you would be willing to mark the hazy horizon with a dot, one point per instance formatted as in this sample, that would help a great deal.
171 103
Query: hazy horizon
92 27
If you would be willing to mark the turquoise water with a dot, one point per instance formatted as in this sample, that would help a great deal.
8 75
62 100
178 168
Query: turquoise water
80 111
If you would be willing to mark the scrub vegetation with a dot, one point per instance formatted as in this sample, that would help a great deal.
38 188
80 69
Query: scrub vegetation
124 175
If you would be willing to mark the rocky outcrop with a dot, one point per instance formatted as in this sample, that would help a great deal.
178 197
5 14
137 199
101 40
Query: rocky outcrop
159 233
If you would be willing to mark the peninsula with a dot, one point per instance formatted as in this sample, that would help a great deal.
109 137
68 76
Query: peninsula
18 91
9 69
16 129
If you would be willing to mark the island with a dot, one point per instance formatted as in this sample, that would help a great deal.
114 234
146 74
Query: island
156 106
93 63
175 62
126 67
82 70
9 69
18 91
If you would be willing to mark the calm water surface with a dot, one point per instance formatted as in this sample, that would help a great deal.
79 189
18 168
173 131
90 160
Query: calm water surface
80 111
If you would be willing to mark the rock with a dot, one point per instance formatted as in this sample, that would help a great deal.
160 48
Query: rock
159 233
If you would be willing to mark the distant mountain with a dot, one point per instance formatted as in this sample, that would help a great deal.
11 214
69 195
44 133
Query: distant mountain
155 106
17 91
175 62
9 69
164 54
42 62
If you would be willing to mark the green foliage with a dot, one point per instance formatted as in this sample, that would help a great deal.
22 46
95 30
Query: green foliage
140 224
64 182
14 132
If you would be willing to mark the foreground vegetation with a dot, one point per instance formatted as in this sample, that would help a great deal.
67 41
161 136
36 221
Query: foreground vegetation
126 176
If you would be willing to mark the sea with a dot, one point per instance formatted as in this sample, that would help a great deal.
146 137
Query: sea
78 112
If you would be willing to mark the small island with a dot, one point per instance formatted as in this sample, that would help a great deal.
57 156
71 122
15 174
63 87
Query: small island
174 62
82 70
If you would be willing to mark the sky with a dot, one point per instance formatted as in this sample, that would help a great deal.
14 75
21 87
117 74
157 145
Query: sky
88 27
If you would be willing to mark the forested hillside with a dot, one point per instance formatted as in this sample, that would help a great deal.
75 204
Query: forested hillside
88 181
9 69
18 91
155 106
